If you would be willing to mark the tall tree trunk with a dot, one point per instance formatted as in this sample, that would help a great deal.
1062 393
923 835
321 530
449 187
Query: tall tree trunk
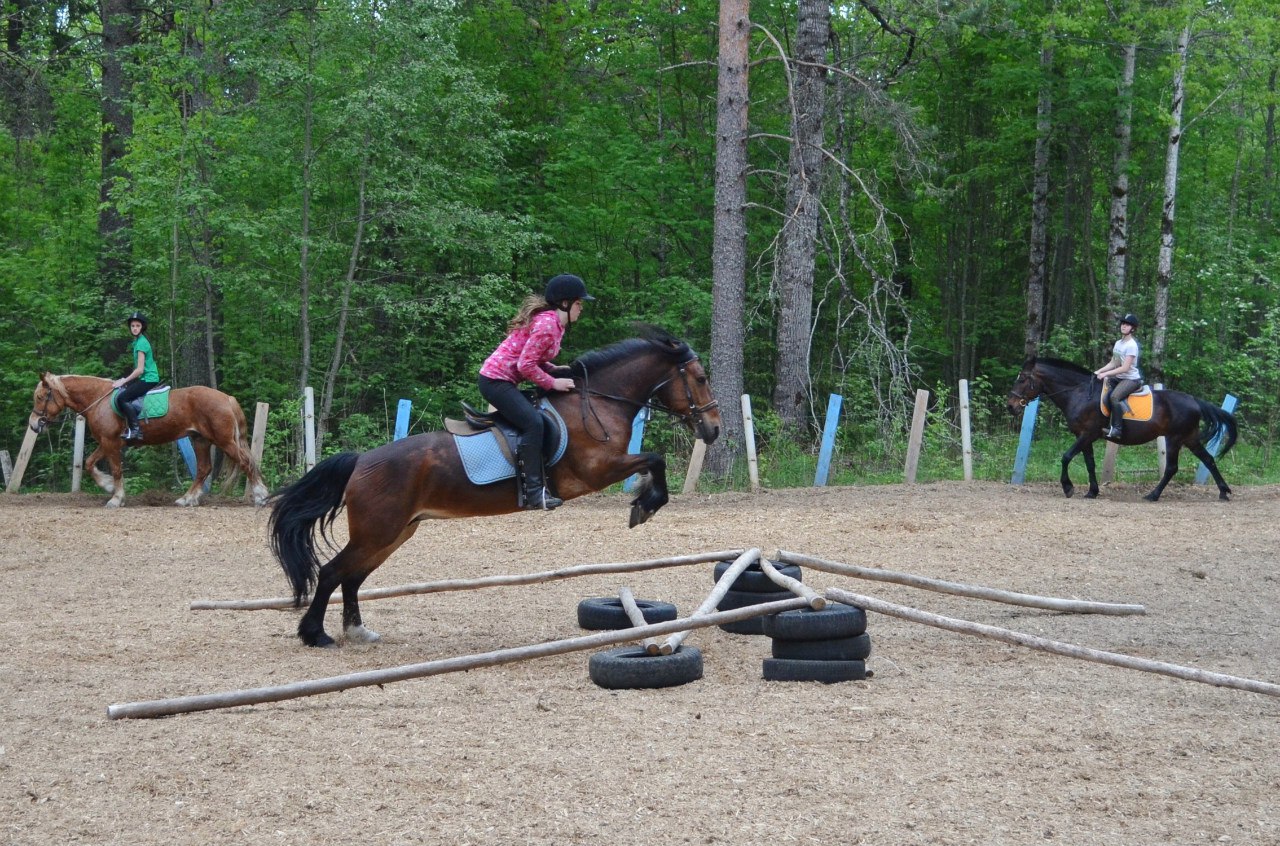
121 20
800 229
1039 207
729 238
1269 146
1164 270
1118 234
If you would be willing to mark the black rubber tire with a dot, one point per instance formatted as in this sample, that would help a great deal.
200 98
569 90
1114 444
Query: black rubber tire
827 672
631 668
741 599
855 648
750 626
753 579
835 621
606 613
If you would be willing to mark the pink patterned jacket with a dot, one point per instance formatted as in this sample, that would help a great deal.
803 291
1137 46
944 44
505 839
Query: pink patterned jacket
526 352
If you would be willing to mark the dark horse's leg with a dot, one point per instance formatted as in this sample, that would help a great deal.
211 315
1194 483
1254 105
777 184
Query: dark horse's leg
1170 467
1224 492
653 492
1084 444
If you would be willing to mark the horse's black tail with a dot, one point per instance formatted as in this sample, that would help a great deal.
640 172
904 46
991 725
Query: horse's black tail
295 511
1216 422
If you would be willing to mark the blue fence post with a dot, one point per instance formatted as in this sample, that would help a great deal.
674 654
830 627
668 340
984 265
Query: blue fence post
1024 441
402 418
633 446
828 440
189 456
1202 474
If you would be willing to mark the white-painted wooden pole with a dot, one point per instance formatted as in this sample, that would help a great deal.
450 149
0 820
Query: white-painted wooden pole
6 466
966 441
917 434
749 434
1109 463
24 455
1162 447
309 427
695 466
77 455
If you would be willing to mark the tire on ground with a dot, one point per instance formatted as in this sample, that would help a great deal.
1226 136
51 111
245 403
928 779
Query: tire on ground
828 672
855 648
741 599
754 580
835 621
606 613
631 667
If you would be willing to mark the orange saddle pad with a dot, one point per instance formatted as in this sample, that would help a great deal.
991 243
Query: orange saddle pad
1140 403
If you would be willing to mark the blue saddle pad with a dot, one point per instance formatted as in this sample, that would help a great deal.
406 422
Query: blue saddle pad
485 461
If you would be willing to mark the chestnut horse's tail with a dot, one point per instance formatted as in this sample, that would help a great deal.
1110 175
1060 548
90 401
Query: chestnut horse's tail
314 499
1216 422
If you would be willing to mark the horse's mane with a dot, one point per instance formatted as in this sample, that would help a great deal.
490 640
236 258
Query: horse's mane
1063 364
649 338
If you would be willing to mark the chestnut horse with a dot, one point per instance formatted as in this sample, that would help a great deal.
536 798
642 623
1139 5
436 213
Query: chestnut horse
1183 420
388 490
203 414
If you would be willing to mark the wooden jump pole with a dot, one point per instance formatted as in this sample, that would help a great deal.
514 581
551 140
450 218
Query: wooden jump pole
1049 603
636 616
473 584
296 690
708 606
1070 650
816 601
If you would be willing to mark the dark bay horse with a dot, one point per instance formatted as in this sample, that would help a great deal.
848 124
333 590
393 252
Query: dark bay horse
388 490
204 414
1182 419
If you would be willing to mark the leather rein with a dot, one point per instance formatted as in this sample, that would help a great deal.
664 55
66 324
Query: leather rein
694 413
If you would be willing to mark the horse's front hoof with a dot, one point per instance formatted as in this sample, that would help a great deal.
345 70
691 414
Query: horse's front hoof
113 503
1224 496
1091 495
1068 492
1152 497
319 641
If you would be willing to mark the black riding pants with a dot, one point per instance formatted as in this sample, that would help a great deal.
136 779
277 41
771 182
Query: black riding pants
130 392
514 406
1121 388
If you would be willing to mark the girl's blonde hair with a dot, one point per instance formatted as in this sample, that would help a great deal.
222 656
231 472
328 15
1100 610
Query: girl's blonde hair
533 304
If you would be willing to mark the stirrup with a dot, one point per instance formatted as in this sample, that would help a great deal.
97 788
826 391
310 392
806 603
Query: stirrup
541 499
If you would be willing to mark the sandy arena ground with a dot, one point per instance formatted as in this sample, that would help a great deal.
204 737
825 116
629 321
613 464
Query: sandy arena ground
956 740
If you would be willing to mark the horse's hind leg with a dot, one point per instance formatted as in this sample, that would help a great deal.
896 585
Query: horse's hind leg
1170 468
204 465
1206 458
363 554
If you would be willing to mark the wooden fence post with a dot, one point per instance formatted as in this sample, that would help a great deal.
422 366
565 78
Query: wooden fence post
1024 441
77 455
24 455
1202 474
633 446
749 432
309 427
402 418
917 434
828 440
966 440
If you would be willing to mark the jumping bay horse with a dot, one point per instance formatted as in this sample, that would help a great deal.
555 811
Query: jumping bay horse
388 490
1182 419
204 414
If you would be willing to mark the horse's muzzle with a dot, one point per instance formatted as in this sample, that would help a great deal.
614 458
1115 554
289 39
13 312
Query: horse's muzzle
707 432
37 424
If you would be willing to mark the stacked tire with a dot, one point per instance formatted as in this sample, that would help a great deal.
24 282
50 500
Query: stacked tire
752 587
827 646
631 667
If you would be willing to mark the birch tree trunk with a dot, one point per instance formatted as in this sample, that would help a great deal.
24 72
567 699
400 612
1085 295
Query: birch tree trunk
729 239
1118 235
1164 271
1039 207
800 228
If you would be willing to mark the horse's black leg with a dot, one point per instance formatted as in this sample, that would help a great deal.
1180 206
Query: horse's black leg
653 492
1224 492
311 626
1091 466
1170 467
1067 487
352 625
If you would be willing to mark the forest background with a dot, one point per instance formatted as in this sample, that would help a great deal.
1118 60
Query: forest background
860 198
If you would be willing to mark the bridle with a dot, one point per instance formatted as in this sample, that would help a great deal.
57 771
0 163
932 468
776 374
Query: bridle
1038 386
44 418
694 413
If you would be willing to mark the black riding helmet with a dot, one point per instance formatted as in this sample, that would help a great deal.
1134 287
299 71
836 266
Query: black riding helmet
138 316
566 288
1131 319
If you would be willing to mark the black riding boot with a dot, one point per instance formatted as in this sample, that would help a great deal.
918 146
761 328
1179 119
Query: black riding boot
536 495
132 431
1116 430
